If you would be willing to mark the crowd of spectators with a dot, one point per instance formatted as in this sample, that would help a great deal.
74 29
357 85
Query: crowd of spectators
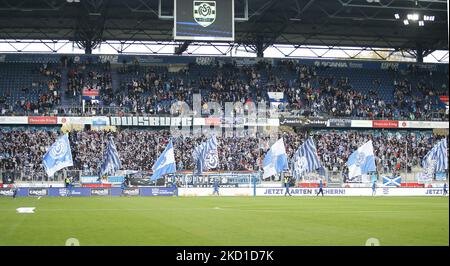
46 88
308 89
22 150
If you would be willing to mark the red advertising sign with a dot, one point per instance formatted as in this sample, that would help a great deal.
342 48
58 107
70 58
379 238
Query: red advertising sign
42 120
87 92
96 185
384 123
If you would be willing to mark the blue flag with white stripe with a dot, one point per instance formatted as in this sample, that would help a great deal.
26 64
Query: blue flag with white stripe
111 162
362 161
305 159
166 163
436 159
58 156
206 156
275 160
392 181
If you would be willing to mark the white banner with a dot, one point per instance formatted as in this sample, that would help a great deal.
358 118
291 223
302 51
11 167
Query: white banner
209 191
280 191
13 119
361 123
74 120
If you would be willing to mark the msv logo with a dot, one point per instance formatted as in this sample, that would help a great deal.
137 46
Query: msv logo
205 12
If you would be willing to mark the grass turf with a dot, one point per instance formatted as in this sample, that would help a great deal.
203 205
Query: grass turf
234 221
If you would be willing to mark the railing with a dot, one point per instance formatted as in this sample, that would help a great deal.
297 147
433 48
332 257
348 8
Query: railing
186 178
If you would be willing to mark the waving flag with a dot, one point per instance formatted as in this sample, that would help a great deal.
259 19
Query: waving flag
394 181
436 159
165 163
206 156
362 161
111 162
275 160
58 156
305 159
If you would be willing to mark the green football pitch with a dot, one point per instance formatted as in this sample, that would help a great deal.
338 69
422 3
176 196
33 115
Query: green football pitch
233 221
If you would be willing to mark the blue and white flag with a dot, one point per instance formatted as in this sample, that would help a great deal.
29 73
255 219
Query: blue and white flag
58 156
392 181
305 159
362 161
166 163
111 162
275 160
206 156
436 159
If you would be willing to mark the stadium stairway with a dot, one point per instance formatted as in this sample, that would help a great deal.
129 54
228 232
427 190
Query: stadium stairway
65 99
115 79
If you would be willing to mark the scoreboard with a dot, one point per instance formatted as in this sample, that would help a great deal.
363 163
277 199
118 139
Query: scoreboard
207 20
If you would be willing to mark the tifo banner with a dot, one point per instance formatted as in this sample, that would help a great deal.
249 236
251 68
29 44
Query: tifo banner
90 180
140 181
150 121
42 120
116 179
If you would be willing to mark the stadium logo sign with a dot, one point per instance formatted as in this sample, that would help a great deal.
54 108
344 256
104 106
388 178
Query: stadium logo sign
205 12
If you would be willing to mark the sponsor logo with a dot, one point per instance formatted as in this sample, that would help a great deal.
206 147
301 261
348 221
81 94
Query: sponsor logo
301 121
331 64
99 192
131 191
389 65
91 93
42 120
6 192
62 192
385 123
205 12
37 192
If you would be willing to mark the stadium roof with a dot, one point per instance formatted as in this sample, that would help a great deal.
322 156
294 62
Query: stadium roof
259 23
